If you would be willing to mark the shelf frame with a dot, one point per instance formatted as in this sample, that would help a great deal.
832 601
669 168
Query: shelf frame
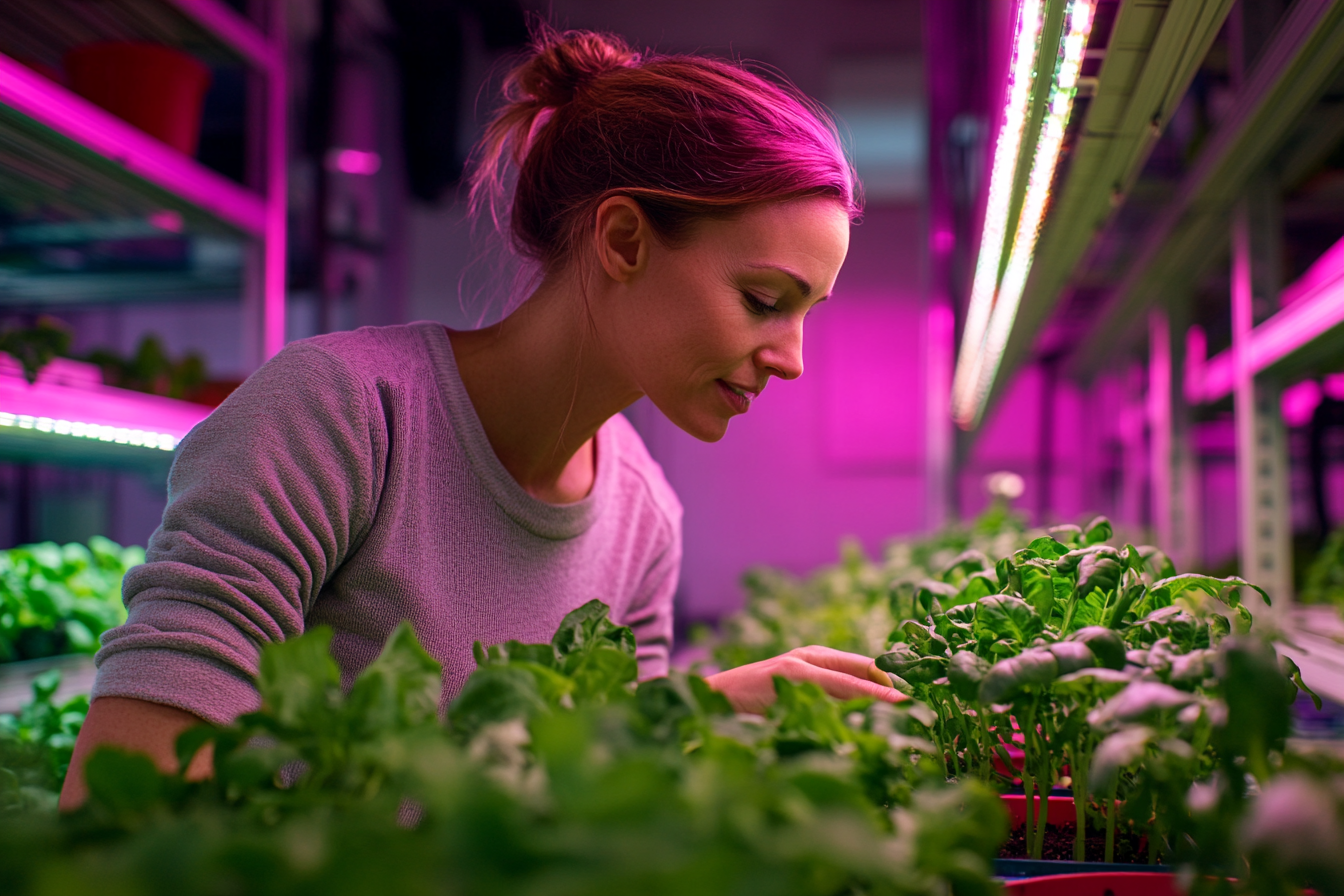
259 214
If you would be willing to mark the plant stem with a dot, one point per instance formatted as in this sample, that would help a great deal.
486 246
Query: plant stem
987 766
1079 804
1068 613
1152 834
1110 821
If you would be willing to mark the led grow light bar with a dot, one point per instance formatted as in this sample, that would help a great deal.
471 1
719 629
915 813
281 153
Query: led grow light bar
1006 151
982 348
119 435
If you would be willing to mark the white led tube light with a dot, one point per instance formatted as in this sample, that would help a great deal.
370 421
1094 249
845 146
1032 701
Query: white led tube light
980 359
1006 151
120 435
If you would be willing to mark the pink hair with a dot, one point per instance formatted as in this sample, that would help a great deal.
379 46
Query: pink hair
688 137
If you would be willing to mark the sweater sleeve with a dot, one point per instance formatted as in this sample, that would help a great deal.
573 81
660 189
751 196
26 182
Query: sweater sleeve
266 499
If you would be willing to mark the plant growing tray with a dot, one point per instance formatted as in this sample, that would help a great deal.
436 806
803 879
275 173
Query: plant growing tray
1085 881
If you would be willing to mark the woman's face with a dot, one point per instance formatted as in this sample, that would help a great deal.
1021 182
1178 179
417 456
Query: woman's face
709 323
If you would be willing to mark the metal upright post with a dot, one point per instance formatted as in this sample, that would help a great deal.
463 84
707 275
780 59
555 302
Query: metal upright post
1174 465
1262 446
268 166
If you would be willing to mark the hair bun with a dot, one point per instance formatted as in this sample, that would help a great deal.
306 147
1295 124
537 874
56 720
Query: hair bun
562 62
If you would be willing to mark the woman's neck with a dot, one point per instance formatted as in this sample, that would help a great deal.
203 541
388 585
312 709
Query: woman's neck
542 386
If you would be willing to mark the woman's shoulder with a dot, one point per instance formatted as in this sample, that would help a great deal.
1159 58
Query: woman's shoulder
372 353
639 472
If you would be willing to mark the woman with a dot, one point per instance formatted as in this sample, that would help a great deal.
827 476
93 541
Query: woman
685 216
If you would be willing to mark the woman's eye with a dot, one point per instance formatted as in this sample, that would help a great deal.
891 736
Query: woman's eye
757 306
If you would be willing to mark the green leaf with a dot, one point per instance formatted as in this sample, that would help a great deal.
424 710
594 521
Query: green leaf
1116 753
588 625
965 671
1116 612
1048 547
1066 533
1258 696
964 564
1099 571
1097 531
401 687
1294 674
495 694
1038 587
298 679
1140 701
1006 616
601 673
915 668
932 595
1072 656
123 783
976 586
1104 643
1005 678
1223 590
1098 680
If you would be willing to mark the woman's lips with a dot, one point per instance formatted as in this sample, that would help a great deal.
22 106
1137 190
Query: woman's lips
738 398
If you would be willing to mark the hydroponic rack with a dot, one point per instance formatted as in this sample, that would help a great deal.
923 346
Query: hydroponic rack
1107 283
82 167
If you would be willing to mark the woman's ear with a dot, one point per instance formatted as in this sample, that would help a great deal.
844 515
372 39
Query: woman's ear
623 236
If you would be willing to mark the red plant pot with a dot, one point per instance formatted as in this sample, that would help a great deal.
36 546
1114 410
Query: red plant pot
1105 883
158 89
1058 810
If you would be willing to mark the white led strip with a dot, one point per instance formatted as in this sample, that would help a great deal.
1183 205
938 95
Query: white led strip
983 365
120 435
1006 151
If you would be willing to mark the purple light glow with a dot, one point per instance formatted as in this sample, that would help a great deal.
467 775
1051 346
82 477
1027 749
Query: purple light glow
1300 401
353 161
943 240
168 220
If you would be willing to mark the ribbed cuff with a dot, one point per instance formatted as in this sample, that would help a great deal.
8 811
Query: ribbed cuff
213 691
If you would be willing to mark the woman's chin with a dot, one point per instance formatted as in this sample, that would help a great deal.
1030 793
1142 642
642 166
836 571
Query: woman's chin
704 427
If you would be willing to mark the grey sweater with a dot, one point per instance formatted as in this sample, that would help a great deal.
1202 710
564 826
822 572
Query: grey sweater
349 483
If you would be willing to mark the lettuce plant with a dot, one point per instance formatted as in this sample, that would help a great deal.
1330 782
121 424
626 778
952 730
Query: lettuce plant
555 773
59 598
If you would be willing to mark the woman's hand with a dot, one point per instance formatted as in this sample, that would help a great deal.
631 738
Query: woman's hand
845 676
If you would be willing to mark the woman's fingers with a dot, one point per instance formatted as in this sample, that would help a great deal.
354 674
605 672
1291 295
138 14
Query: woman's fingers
845 676
855 664
841 685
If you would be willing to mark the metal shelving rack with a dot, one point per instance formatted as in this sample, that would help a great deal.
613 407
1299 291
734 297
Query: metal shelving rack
1093 304
82 166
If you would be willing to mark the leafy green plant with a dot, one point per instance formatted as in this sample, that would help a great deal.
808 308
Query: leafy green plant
557 774
35 347
36 745
1101 664
854 604
1324 581
151 370
58 599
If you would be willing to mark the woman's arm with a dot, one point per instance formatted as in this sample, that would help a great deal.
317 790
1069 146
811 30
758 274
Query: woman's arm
138 726
845 676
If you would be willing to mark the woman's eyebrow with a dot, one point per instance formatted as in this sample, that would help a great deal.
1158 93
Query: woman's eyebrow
803 286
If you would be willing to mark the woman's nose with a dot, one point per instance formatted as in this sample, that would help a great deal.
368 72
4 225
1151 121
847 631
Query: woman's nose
783 356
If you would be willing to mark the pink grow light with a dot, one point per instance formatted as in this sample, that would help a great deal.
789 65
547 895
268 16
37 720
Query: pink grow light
69 400
1312 306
